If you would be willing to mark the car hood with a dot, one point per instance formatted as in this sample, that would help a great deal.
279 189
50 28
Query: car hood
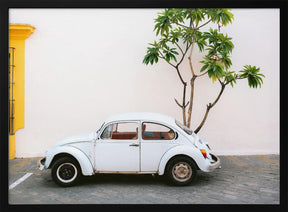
83 137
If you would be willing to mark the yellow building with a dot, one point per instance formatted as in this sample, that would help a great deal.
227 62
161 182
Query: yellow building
17 35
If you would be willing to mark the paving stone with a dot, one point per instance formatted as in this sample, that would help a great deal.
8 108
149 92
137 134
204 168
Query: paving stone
242 180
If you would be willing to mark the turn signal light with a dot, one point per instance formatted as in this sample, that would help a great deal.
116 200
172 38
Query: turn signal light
204 153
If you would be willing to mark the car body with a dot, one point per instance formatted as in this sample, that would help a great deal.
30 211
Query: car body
132 143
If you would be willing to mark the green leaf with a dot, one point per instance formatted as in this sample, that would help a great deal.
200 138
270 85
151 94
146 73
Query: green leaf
223 16
253 76
152 54
173 57
163 23
210 73
204 68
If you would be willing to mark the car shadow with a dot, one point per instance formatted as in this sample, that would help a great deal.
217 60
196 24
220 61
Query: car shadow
141 179
131 179
127 179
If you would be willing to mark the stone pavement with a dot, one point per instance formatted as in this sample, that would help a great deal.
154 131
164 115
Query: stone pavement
242 180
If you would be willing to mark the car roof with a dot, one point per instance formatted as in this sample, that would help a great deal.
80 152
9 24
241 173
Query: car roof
145 116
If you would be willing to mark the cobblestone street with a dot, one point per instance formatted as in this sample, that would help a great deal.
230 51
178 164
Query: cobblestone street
242 180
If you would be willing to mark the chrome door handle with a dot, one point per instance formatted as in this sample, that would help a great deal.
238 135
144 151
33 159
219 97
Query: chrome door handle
134 145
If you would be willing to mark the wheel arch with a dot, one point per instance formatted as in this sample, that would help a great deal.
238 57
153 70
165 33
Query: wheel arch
181 155
61 155
64 151
192 153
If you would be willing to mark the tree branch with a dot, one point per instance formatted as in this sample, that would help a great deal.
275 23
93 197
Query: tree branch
180 25
204 24
179 75
183 106
191 22
202 74
179 48
162 57
237 77
187 47
219 95
183 103
209 106
177 103
191 101
204 119
190 56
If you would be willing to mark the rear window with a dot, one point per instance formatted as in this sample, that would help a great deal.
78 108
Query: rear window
183 127
154 131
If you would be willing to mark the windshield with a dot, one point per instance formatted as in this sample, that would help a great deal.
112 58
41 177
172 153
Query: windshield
100 128
183 127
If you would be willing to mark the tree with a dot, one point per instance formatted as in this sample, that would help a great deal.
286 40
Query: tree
178 31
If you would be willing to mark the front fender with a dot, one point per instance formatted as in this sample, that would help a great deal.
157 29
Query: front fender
81 157
189 151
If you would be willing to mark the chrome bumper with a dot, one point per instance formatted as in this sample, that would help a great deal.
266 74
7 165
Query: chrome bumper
215 164
40 163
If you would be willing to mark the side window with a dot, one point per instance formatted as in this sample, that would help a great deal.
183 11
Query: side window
153 131
121 131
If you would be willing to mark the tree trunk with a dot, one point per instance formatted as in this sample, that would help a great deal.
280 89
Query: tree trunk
191 102
192 80
183 104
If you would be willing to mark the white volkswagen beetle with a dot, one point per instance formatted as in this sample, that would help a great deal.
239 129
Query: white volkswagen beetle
132 143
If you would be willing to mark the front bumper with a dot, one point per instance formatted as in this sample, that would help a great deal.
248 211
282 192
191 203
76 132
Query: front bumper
40 163
215 164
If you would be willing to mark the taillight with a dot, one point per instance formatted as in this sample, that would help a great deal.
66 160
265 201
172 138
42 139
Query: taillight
204 153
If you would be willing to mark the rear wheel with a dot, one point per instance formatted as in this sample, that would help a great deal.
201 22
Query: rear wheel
66 171
180 171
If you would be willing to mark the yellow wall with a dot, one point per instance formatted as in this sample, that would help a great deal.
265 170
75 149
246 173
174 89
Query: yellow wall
17 35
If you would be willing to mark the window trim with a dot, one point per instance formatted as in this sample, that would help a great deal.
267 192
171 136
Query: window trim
152 122
104 126
183 127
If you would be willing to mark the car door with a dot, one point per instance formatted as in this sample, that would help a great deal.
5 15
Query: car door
156 139
117 148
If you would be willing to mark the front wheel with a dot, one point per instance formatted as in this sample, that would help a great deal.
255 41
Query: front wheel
181 171
66 171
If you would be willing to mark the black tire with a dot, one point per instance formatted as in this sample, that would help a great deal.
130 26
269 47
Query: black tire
66 171
180 171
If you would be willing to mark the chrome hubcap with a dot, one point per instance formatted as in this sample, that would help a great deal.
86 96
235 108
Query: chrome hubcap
66 172
182 171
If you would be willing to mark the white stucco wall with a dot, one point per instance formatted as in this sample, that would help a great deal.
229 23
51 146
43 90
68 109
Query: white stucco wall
83 65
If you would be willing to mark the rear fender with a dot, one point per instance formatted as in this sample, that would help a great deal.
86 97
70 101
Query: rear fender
81 157
188 151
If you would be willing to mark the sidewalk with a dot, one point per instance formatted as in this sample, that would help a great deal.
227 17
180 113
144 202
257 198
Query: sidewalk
252 179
